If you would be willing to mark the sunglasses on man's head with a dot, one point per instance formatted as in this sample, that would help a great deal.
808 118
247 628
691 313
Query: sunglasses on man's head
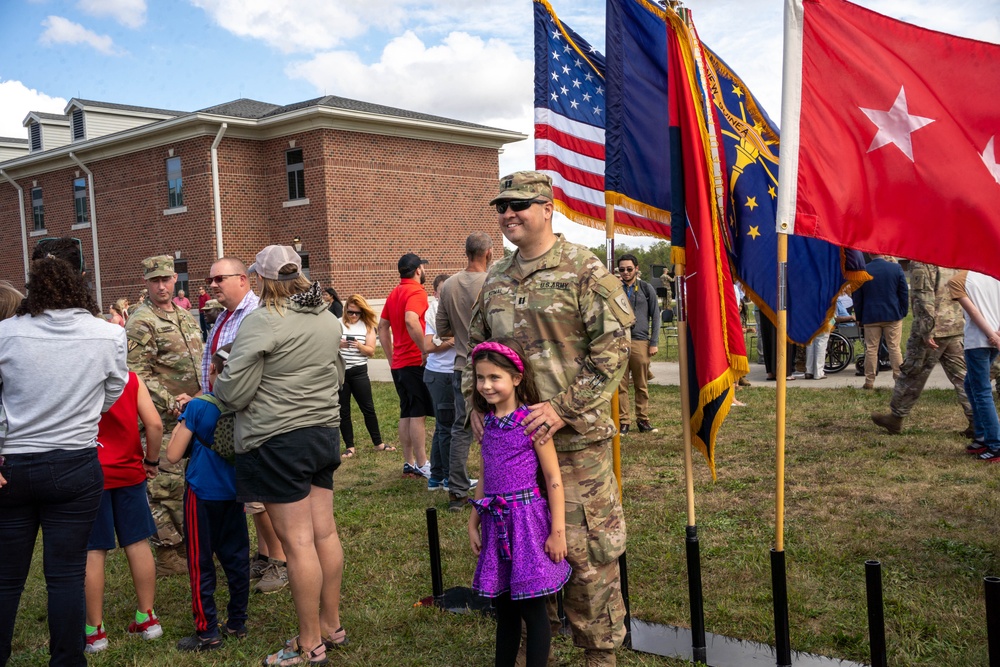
517 205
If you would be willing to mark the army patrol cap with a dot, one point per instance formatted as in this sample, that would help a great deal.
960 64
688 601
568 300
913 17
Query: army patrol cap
213 304
524 185
158 267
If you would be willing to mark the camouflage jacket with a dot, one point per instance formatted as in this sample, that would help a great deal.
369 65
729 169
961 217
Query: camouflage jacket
164 349
934 313
572 318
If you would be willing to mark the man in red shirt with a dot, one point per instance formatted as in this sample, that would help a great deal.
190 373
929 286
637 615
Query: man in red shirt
203 298
401 333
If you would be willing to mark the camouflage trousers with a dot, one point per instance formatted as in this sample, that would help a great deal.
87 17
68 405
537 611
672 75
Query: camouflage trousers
917 366
595 537
166 501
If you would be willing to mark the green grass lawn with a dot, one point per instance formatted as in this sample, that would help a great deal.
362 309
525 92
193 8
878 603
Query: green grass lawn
916 502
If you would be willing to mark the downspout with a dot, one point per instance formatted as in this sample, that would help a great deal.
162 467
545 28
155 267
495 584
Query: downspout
93 227
24 224
215 189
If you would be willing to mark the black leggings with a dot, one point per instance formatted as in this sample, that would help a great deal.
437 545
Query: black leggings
357 384
510 613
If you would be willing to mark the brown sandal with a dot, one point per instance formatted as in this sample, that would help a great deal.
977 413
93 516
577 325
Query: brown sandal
384 448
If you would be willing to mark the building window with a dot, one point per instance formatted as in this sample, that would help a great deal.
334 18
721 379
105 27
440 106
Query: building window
296 174
175 185
37 209
79 131
80 201
35 131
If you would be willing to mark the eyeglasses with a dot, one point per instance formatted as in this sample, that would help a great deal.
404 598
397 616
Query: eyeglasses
217 280
626 269
517 205
356 313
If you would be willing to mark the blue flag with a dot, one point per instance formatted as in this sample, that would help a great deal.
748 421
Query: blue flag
816 269
637 160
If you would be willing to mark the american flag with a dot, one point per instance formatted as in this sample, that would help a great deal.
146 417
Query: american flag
570 118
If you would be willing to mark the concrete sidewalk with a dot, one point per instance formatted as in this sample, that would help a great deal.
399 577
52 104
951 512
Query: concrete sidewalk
666 373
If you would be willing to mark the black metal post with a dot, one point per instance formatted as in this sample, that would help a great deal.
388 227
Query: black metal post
698 650
876 615
434 544
993 618
623 578
779 591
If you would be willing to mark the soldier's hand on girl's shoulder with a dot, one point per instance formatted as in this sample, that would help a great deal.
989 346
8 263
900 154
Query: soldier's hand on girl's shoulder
542 422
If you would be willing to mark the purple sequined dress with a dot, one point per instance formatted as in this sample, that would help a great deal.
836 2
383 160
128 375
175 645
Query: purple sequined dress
514 517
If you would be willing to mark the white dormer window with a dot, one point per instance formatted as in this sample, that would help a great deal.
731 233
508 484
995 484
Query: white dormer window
35 134
79 130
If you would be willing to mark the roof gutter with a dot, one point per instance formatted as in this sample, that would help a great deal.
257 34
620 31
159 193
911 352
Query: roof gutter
215 189
93 226
24 224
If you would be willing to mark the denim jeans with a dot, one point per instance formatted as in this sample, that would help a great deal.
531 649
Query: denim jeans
59 491
461 441
977 387
439 387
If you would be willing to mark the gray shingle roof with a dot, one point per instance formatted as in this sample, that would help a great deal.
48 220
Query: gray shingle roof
242 108
129 107
367 107
50 116
13 140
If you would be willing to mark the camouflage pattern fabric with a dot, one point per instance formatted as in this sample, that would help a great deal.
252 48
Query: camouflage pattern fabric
917 366
595 538
573 319
935 315
164 349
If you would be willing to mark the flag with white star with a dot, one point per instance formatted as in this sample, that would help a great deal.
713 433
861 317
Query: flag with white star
638 159
750 148
570 118
890 137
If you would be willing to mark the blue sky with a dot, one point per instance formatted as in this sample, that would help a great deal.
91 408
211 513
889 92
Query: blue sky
465 59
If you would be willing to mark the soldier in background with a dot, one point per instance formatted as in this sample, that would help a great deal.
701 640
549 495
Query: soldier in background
936 335
165 349
572 318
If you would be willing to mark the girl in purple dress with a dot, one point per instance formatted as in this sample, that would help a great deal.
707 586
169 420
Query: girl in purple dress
521 547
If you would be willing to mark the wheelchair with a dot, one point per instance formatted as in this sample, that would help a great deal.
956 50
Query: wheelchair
847 344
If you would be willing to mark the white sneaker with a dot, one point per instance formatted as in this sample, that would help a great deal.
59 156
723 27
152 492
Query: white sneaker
472 483
425 469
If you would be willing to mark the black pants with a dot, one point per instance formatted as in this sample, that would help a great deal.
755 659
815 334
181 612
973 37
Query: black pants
357 384
510 613
769 337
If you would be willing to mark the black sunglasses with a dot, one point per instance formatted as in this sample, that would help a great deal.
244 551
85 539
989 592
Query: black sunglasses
517 205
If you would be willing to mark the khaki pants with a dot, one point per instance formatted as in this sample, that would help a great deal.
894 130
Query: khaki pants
638 370
893 331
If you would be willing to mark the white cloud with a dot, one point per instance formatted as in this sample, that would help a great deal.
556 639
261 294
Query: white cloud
289 26
463 77
59 30
16 100
130 13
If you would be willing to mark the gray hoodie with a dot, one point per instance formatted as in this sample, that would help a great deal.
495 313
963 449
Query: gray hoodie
283 373
59 371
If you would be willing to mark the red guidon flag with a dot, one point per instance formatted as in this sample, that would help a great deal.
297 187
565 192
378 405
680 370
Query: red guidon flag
890 137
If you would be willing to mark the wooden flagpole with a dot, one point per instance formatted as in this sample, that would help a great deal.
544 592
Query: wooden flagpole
779 582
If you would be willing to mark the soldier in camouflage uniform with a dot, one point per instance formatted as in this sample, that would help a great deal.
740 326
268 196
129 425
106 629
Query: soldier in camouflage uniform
164 349
572 318
936 335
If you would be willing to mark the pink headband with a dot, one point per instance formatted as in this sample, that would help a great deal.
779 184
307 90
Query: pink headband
490 346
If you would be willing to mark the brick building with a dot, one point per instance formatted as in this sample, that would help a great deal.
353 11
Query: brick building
357 184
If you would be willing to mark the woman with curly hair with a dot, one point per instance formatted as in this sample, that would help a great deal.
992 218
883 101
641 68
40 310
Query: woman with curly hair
282 378
61 366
